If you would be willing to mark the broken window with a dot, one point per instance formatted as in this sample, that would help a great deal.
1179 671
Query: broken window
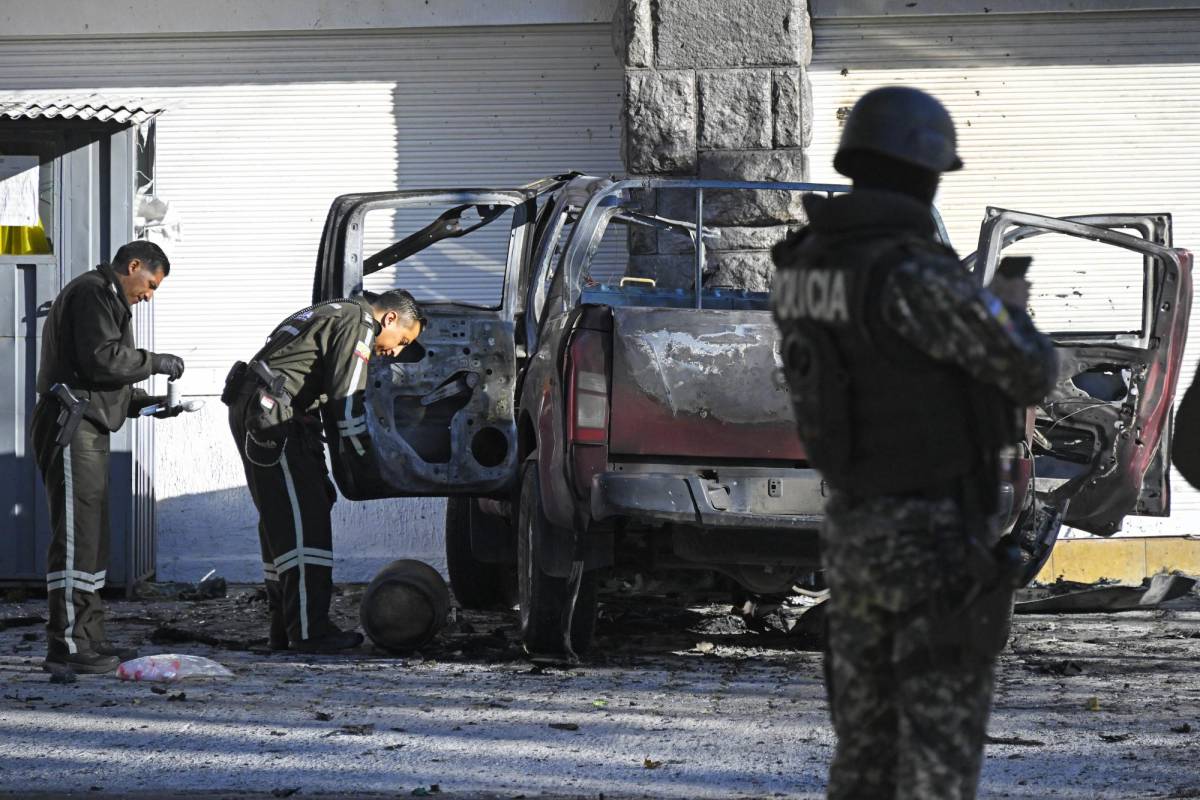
1081 287
439 253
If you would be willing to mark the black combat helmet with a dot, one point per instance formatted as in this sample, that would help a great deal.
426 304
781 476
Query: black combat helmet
901 123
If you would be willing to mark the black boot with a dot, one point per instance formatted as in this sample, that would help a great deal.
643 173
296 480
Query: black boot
107 648
277 639
329 643
87 662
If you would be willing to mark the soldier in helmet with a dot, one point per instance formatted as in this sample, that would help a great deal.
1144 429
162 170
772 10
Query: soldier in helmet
906 378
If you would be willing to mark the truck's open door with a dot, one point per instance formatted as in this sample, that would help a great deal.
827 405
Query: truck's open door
1115 296
440 417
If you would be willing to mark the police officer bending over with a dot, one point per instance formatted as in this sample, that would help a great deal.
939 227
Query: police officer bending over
85 391
316 358
906 379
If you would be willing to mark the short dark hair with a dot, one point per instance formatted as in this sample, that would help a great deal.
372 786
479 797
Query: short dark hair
148 253
399 301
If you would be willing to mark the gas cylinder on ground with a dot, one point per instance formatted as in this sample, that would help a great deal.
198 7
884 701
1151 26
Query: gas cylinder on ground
404 606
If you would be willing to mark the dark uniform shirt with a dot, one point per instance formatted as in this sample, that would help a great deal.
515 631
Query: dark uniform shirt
904 371
322 353
87 344
937 307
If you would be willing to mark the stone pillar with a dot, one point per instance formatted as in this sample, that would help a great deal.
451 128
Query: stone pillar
716 89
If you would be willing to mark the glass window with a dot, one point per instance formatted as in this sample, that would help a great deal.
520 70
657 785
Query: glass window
27 197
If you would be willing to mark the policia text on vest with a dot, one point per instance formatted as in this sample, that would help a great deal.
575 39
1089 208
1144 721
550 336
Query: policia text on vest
817 294
89 363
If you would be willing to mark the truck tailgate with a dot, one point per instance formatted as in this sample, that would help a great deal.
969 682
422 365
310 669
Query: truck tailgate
699 383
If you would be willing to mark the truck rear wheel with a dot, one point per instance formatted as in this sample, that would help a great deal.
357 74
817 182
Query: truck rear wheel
544 597
477 585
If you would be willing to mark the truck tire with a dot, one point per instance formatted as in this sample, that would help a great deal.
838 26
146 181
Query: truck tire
477 585
542 597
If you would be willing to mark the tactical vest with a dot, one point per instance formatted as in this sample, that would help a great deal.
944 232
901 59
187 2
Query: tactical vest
876 415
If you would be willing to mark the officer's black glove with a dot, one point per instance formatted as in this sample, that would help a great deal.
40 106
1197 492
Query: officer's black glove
167 364
165 413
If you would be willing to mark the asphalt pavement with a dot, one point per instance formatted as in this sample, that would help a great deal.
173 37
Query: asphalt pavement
677 700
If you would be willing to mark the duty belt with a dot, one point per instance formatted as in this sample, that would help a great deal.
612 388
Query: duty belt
243 376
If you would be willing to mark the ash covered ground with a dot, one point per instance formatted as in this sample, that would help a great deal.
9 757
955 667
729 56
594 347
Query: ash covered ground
678 699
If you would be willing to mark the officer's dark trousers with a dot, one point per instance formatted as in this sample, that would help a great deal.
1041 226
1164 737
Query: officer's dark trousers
76 480
909 705
293 494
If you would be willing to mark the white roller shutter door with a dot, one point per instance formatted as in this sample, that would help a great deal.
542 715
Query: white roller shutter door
1057 114
265 130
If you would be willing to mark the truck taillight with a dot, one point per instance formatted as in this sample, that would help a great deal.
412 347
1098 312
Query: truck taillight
587 390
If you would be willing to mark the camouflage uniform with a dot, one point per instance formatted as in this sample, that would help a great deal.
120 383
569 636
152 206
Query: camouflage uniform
909 685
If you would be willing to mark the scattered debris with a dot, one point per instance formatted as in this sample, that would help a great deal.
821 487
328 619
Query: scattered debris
365 729
20 622
169 634
1014 740
1064 667
59 674
210 587
1071 597
1116 737
564 726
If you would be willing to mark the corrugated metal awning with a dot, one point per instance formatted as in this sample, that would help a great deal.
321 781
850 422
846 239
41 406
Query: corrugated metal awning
82 106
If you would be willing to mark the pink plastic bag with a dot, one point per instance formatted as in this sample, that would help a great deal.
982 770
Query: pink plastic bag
171 667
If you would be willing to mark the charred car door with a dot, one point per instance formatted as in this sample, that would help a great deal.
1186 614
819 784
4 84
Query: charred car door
440 416
1116 304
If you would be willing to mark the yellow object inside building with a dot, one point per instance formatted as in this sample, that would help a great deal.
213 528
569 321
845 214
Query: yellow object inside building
24 240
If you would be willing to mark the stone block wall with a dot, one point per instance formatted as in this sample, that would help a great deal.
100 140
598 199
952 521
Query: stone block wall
716 89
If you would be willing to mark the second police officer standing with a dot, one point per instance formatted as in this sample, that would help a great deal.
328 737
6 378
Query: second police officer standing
906 378
85 383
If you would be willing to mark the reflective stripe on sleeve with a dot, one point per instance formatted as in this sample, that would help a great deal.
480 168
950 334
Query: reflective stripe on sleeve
352 388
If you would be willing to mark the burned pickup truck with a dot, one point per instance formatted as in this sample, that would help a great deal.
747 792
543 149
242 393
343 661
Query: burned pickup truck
580 415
